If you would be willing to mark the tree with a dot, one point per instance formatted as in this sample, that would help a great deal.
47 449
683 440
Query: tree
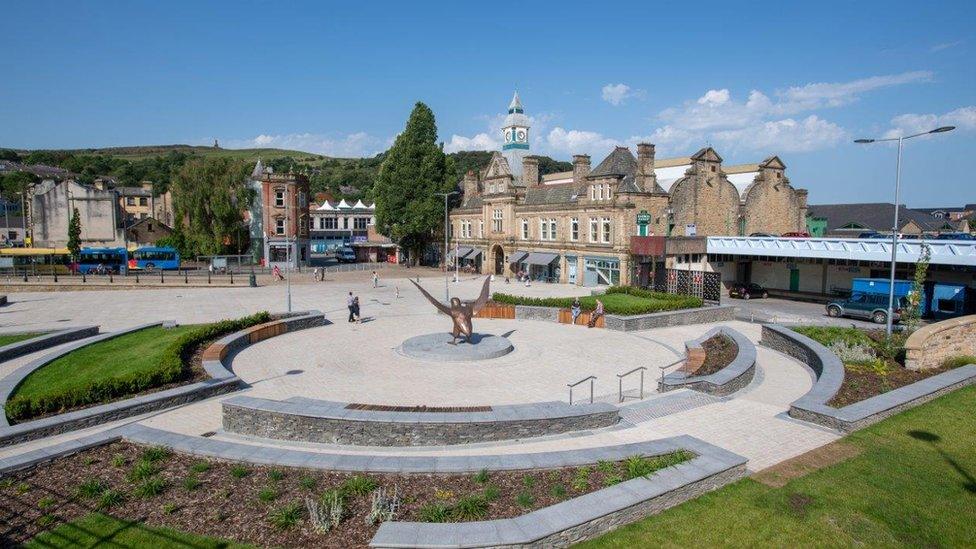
74 235
408 209
209 198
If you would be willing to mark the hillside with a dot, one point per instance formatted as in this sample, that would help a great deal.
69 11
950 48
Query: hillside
143 152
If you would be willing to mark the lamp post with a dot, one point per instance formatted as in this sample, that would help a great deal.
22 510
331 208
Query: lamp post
894 227
447 285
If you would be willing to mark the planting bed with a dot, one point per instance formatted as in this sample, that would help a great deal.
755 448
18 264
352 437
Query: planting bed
264 505
720 351
882 370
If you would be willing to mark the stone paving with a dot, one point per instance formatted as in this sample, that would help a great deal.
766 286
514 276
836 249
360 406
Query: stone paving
359 363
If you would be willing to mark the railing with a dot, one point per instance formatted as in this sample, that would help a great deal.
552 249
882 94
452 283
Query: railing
666 366
620 383
571 385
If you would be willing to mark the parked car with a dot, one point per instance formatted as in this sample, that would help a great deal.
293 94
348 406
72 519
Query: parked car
955 236
346 255
797 234
765 235
868 306
748 291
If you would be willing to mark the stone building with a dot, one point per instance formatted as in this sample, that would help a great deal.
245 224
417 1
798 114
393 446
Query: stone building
577 227
147 232
340 224
279 217
50 212
140 203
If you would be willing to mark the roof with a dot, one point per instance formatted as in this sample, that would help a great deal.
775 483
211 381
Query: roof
133 191
557 176
873 216
563 193
620 162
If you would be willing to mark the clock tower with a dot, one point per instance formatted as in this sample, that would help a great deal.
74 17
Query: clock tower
515 132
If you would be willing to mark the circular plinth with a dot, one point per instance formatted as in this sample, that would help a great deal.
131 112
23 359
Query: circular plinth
437 347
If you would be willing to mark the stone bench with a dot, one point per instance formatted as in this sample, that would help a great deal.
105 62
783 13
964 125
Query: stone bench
308 420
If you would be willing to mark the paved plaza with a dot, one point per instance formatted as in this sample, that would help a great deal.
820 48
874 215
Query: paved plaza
360 362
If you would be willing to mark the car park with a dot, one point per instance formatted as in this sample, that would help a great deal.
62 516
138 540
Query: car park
748 290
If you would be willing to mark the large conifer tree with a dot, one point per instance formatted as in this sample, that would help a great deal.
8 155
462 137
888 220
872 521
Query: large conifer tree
74 235
415 168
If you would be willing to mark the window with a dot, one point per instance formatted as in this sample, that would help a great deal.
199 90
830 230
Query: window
574 229
143 201
525 229
594 230
330 223
605 233
543 230
149 227
496 221
592 192
609 191
360 223
552 229
280 226
279 198
129 201
481 228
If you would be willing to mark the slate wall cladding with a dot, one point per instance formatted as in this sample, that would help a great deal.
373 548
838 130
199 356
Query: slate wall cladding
829 371
330 422
221 381
664 319
45 341
736 375
529 312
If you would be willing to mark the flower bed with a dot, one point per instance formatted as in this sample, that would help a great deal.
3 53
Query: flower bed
58 387
267 506
618 300
873 365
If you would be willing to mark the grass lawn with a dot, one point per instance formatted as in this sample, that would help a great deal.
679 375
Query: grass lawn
7 339
134 353
913 485
614 302
98 530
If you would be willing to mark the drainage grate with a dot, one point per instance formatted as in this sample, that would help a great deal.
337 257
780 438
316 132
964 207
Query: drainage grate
429 409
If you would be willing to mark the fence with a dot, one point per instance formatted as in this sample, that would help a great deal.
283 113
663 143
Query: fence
703 284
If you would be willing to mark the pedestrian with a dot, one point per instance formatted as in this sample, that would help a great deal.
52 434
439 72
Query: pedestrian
350 302
596 314
576 310
376 279
355 310
396 289
315 274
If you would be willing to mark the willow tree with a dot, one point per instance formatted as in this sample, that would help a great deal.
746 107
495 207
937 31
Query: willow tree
210 196
415 169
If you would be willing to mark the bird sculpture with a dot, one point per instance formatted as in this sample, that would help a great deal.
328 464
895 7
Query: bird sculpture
460 312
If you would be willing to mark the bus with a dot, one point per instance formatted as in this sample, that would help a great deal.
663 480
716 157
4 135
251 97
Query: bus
35 260
103 260
150 258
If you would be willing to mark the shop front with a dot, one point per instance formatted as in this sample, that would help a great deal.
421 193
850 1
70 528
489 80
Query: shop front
601 271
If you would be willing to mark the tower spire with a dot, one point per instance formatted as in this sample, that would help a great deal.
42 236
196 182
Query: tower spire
516 135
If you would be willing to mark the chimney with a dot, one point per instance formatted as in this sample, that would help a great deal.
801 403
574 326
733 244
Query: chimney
581 168
470 184
646 179
530 171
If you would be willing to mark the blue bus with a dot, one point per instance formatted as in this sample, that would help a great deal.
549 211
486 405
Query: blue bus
102 260
150 258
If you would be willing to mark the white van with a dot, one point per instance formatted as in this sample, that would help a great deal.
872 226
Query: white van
346 255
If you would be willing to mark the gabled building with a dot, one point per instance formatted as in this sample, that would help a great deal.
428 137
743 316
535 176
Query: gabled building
279 217
334 225
850 220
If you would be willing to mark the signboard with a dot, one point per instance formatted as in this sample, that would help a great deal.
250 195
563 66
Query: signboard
691 229
643 218
360 238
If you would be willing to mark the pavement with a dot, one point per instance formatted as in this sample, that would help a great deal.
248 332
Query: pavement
783 311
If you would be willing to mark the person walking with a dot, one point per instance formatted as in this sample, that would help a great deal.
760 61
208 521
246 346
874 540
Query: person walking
376 279
396 290
597 313
577 306
350 302
355 310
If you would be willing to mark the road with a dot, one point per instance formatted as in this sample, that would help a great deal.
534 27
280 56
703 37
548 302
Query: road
783 311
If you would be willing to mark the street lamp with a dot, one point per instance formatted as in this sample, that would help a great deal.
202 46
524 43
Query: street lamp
894 228
447 285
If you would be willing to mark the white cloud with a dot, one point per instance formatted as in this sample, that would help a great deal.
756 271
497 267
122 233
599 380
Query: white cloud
714 97
617 94
963 118
480 142
787 135
945 46
359 144
570 142
835 94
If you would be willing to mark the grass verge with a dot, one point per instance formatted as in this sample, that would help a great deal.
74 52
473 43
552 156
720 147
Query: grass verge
7 339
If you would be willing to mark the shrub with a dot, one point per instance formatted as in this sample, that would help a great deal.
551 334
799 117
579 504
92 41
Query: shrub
307 483
239 471
46 502
143 469
481 477
191 482
91 488
606 467
434 512
828 335
150 488
329 496
267 495
957 361
23 488
471 507
528 481
558 491
110 498
525 499
118 460
491 492
169 508
610 480
200 467
275 475
359 485
171 369
286 516
156 453
46 520
648 302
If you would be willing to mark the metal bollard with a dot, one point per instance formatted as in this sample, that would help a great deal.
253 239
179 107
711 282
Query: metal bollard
110 279
208 276
55 276
186 278
161 279
84 278
137 277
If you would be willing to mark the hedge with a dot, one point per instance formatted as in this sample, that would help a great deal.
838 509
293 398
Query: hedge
645 301
173 366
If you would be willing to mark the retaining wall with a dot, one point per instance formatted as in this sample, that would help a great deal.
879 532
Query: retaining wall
682 317
310 420
45 341
734 376
829 371
931 345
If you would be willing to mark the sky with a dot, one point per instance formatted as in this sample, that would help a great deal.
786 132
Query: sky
799 80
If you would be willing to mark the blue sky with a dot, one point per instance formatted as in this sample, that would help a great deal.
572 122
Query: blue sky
752 79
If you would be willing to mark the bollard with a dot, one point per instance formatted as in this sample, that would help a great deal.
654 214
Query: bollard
137 277
25 276
161 280
186 278
208 276
84 278
110 279
55 276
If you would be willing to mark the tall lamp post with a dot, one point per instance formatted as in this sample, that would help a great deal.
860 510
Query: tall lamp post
447 284
894 227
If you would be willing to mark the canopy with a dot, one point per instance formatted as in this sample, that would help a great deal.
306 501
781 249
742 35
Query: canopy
541 258
517 256
473 255
461 251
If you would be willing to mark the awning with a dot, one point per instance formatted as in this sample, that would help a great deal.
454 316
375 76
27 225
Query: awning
517 256
540 258
461 251
473 255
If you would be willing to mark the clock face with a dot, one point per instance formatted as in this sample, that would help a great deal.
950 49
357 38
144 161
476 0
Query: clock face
508 135
521 135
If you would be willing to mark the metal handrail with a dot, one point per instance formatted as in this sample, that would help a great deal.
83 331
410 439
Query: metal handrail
571 385
620 383
666 366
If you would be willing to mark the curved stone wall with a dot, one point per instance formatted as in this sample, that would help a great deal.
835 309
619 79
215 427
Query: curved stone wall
931 345
736 375
307 420
46 341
